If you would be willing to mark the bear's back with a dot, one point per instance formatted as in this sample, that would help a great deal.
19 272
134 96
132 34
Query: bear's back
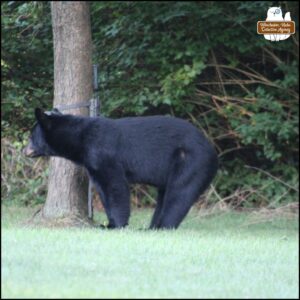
149 143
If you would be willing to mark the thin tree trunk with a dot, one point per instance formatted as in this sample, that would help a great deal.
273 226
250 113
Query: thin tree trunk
68 184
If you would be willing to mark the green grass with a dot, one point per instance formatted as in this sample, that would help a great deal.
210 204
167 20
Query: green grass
211 257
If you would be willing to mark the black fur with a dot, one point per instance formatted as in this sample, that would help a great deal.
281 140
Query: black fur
166 152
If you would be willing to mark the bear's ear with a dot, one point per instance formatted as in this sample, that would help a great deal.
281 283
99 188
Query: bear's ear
42 118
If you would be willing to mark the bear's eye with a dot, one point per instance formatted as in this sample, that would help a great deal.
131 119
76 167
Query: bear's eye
277 11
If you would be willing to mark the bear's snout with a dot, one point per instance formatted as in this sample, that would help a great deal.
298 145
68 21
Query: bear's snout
28 150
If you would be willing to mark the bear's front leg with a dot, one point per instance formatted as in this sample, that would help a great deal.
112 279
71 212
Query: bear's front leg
113 188
118 202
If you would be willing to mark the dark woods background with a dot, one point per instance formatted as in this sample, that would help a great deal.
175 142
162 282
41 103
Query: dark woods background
202 61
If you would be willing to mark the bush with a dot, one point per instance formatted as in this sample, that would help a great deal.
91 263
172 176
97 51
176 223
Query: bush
24 181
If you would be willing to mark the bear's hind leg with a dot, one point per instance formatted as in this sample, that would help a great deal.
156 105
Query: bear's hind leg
177 203
189 177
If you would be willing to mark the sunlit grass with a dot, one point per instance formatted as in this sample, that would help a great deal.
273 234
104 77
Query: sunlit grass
217 256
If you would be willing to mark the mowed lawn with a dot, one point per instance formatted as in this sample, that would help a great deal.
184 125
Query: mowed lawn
218 256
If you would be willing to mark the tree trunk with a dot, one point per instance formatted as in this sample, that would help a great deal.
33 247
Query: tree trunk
68 183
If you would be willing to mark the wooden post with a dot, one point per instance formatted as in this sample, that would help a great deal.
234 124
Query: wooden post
94 108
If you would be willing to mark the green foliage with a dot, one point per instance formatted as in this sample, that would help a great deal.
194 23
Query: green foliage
23 181
201 61
255 187
26 61
265 124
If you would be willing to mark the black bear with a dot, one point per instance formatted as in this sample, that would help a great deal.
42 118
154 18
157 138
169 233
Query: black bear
165 152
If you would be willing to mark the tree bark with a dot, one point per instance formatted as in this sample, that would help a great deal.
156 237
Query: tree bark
68 183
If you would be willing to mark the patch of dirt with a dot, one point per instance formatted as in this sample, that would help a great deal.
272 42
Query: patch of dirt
39 220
